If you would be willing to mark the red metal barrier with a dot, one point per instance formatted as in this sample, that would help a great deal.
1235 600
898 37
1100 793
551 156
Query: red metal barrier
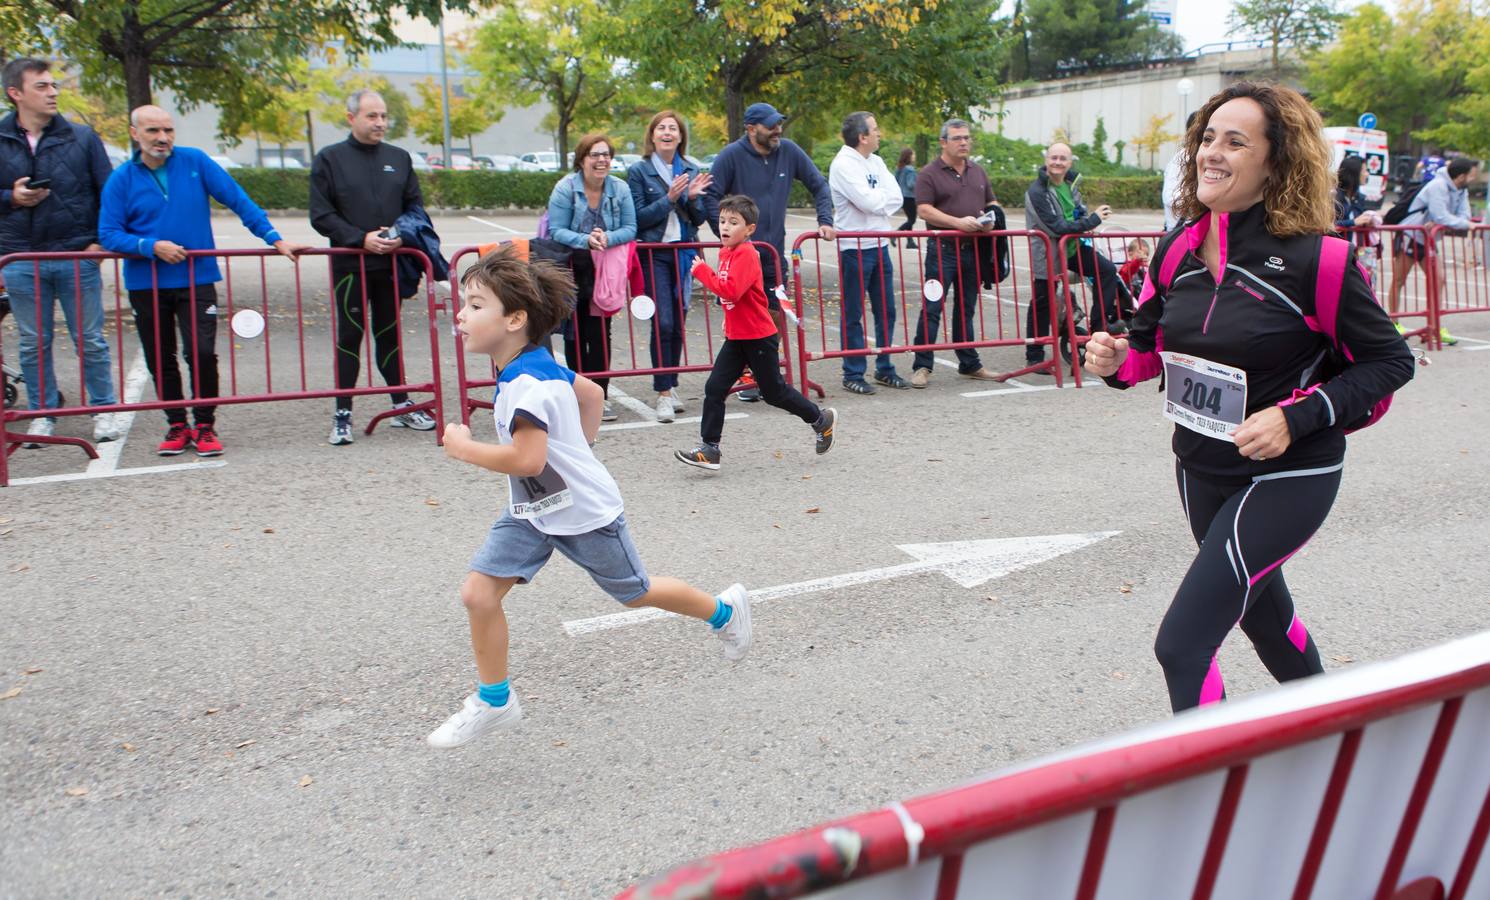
1463 259
636 343
1371 781
1405 273
243 382
920 272
1094 291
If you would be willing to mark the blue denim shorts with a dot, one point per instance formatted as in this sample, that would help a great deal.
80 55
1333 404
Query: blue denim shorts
515 549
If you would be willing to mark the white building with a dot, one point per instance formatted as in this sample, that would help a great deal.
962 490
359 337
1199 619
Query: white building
1126 100
518 131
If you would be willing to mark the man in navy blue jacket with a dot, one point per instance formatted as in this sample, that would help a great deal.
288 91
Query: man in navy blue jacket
38 144
762 165
156 208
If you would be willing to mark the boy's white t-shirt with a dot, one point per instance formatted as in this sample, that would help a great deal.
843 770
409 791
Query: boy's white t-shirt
575 493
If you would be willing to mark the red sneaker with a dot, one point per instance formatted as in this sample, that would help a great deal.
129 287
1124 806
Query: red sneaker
177 440
206 441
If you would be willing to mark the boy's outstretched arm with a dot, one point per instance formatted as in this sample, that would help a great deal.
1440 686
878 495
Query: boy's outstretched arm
591 402
524 457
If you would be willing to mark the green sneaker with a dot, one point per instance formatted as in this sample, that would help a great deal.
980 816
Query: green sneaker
1449 339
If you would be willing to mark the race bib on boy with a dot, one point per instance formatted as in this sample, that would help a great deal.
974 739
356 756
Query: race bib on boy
533 497
1205 397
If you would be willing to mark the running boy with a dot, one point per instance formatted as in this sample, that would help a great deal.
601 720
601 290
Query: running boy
561 496
749 338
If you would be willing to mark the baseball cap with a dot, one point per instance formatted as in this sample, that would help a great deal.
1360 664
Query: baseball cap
763 114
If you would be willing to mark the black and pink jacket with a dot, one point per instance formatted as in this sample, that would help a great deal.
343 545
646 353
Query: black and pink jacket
1261 318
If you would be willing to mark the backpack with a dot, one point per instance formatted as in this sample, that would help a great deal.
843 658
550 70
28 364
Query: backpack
1334 255
1403 207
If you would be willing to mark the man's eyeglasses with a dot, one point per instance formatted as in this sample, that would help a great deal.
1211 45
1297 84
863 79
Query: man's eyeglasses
599 155
959 138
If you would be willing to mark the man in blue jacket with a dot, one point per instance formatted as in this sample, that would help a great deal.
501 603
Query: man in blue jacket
38 144
156 208
762 165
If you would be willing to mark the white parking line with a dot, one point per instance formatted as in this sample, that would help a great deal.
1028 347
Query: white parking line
109 453
681 420
495 225
121 473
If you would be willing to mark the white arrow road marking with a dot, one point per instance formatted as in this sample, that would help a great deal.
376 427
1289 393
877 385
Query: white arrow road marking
969 563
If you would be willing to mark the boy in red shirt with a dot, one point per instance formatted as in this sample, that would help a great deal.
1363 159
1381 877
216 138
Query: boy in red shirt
749 338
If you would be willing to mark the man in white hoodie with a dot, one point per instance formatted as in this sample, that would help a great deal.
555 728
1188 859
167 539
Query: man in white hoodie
865 195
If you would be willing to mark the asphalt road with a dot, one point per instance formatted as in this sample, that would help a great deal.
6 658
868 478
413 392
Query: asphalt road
218 680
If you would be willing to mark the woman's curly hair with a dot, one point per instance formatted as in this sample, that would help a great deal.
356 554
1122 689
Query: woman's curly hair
1299 191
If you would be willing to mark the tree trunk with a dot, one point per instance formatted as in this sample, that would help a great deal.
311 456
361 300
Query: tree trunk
135 60
734 111
310 135
923 149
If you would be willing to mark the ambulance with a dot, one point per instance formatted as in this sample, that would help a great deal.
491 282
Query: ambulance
1368 143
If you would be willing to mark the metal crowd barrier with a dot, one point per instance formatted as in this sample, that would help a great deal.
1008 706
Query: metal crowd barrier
1463 258
998 316
1367 782
1407 283
629 353
245 379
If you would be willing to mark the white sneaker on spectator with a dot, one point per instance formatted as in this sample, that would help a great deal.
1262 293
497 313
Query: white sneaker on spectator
341 428
42 427
736 633
607 412
677 401
105 428
666 412
475 718
418 419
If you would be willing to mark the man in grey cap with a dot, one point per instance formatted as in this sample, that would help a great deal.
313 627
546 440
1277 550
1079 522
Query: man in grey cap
762 165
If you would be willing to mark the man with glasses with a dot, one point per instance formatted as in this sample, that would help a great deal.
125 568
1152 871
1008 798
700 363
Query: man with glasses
67 164
762 166
952 194
358 189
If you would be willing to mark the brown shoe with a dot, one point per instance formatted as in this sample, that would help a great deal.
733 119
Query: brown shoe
980 375
919 377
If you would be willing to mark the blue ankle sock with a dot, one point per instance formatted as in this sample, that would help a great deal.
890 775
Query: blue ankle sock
495 694
722 613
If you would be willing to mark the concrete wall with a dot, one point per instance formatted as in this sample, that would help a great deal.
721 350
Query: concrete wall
1124 100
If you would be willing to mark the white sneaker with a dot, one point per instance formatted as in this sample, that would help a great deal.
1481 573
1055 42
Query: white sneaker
607 412
476 717
42 427
341 429
105 428
418 419
736 632
678 402
665 409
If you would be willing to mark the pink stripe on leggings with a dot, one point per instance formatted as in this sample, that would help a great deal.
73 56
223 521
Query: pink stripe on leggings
1212 689
1298 634
1286 558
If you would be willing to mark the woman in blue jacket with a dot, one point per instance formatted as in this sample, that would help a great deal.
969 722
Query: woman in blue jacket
667 190
589 210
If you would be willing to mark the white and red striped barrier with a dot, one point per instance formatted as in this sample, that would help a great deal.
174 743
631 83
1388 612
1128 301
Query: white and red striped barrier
1373 782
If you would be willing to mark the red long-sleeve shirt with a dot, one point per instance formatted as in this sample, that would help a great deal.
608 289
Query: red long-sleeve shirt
738 284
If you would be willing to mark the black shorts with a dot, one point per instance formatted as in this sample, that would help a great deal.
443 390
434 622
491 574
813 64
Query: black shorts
1403 245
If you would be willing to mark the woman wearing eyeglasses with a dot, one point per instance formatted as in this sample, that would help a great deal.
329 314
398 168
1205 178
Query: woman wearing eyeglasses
590 211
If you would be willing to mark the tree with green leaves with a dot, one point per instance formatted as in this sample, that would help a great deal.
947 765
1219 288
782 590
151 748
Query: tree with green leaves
468 117
1099 139
1065 35
1303 25
201 50
553 50
815 58
1422 75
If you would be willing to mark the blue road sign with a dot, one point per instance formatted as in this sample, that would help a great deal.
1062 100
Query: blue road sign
1367 121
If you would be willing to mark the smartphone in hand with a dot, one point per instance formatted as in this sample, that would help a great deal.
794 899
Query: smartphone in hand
38 184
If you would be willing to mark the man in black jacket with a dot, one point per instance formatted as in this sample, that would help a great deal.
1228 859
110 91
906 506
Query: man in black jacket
39 145
358 189
1053 205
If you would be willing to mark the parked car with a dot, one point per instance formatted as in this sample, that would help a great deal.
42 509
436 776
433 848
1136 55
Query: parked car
118 156
419 163
503 162
707 162
224 162
627 160
458 161
274 161
545 160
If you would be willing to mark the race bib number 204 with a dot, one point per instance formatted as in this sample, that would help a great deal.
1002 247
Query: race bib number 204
1204 396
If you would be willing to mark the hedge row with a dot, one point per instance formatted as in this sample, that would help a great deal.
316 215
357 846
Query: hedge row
290 189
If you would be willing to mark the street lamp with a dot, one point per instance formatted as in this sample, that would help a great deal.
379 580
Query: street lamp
1184 87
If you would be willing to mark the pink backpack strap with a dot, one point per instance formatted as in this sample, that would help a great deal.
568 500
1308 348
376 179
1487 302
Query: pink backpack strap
1170 262
1334 256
